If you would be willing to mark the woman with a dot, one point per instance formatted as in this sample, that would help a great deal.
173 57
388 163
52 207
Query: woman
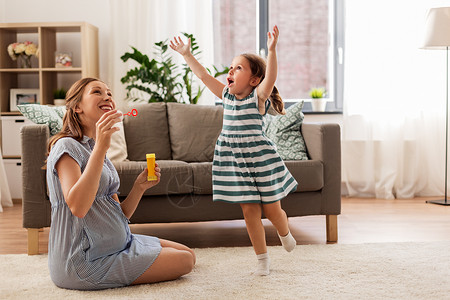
90 244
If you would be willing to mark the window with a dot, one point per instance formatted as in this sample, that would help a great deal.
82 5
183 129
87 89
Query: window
311 35
234 29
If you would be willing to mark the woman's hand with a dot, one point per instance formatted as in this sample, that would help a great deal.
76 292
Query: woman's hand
180 47
272 38
141 181
104 128
140 186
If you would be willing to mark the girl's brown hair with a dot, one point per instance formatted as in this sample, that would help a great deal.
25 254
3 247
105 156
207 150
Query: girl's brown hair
258 68
71 121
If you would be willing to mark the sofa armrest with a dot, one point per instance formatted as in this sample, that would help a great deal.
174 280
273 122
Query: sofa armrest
35 203
323 143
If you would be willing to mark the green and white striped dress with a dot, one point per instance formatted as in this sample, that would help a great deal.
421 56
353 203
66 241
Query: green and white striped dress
247 167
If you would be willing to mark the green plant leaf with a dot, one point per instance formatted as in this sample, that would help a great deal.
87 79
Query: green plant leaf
317 93
160 78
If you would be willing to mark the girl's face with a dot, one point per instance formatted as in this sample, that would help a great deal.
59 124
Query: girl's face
240 79
96 100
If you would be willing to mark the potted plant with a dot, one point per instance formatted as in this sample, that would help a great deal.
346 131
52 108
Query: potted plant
160 79
59 97
318 102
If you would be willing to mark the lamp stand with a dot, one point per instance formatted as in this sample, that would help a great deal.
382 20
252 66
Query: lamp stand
444 201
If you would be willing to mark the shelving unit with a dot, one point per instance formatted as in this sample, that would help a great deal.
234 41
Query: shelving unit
43 75
80 38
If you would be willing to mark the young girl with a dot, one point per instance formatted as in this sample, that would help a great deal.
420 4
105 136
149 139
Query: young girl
90 244
246 168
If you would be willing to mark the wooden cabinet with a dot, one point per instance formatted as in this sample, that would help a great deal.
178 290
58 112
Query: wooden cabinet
10 133
12 151
79 37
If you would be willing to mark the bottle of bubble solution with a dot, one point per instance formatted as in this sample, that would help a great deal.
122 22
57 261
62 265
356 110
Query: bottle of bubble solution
151 167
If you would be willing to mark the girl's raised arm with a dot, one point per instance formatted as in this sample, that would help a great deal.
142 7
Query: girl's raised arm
214 85
266 86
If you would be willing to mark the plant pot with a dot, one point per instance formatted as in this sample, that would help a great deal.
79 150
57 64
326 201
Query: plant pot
319 104
59 102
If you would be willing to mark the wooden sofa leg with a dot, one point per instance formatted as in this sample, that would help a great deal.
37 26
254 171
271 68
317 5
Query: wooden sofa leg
33 241
332 228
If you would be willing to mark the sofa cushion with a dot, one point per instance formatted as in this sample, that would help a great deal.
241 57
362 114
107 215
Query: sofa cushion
176 177
118 149
193 131
52 116
284 131
202 173
148 132
309 175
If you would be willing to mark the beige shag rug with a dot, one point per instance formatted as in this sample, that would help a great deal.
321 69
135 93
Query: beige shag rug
361 271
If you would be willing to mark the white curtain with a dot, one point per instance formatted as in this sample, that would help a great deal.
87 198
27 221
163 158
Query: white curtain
393 137
141 23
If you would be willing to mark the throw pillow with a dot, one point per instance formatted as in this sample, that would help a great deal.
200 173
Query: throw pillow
118 149
44 114
284 131
52 116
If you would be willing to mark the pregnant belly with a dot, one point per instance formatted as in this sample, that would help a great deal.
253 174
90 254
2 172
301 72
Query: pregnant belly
106 232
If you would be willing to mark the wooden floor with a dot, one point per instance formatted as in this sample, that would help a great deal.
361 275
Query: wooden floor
362 221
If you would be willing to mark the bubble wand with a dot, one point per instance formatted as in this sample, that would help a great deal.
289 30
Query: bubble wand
132 113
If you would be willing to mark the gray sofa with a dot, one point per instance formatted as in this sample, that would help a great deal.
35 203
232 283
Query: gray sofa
183 138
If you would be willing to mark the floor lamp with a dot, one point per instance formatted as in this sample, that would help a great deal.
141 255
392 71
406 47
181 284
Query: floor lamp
437 36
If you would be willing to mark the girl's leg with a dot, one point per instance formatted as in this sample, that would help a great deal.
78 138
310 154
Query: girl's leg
255 229
174 261
278 217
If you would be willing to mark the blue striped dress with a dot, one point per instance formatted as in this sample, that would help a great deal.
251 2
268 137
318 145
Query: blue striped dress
97 251
246 166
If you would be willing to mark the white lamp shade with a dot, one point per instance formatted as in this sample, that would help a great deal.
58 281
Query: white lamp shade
437 28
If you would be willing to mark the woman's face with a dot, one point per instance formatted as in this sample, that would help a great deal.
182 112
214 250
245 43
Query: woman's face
96 100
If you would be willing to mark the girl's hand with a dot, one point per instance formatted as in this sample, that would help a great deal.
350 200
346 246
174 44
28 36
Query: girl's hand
272 38
104 128
180 47
142 182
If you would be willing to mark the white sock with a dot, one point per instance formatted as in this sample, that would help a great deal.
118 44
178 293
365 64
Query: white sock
263 265
288 241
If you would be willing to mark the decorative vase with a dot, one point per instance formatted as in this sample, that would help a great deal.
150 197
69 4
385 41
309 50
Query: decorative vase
24 61
59 102
319 104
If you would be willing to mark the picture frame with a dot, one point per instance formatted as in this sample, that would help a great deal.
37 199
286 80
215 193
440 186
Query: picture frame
22 96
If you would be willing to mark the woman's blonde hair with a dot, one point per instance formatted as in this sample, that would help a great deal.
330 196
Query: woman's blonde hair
71 121
258 68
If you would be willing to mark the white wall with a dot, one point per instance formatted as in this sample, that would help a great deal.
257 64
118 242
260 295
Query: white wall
95 12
